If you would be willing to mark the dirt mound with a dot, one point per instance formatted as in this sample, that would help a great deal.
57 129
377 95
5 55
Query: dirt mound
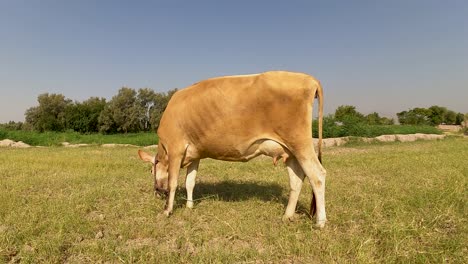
117 145
68 145
386 138
13 144
409 138
331 142
449 128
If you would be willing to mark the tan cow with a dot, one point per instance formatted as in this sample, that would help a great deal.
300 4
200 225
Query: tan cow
237 118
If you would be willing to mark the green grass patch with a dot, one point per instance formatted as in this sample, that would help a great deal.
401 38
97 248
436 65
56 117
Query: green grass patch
55 138
391 203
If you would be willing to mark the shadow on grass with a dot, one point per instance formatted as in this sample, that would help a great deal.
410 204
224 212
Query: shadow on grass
233 191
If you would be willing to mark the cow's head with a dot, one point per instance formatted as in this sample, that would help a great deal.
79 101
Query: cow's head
159 170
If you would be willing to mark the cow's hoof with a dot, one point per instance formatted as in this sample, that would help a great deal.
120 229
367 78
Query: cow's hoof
320 224
167 213
189 204
287 218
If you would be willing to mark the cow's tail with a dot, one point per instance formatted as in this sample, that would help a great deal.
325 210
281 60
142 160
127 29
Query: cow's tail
319 95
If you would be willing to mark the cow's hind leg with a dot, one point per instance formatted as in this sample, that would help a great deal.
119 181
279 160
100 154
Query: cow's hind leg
316 174
296 178
190 181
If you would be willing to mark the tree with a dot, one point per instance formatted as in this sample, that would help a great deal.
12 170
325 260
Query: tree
330 127
373 119
49 115
94 107
146 99
12 125
83 117
131 111
437 115
387 121
348 114
415 116
32 116
106 121
459 119
122 113
450 117
74 117
160 104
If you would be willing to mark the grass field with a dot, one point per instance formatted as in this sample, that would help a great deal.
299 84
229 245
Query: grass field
386 203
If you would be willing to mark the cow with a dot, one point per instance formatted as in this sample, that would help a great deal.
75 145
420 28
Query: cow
237 118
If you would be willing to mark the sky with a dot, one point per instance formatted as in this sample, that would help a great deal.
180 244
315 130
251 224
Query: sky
382 56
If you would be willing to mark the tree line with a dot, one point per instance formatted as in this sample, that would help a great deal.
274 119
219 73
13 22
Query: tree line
129 111
434 115
347 121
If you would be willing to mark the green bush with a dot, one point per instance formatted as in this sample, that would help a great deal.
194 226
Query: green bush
3 134
330 128
465 131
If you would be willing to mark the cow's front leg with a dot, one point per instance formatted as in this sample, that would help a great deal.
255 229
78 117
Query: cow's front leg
190 181
296 178
174 168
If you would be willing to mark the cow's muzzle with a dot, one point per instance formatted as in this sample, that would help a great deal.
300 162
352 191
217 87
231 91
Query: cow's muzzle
160 192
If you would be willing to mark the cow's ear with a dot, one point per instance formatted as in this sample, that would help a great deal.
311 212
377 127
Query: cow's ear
145 156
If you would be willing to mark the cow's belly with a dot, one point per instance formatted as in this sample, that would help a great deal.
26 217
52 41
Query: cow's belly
259 147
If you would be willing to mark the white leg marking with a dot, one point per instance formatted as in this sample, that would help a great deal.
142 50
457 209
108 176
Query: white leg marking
190 181
296 177
316 174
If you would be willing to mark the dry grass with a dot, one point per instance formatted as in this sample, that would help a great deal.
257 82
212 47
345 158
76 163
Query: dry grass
399 202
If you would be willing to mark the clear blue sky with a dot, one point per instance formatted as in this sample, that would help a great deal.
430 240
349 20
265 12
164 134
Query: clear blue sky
384 56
